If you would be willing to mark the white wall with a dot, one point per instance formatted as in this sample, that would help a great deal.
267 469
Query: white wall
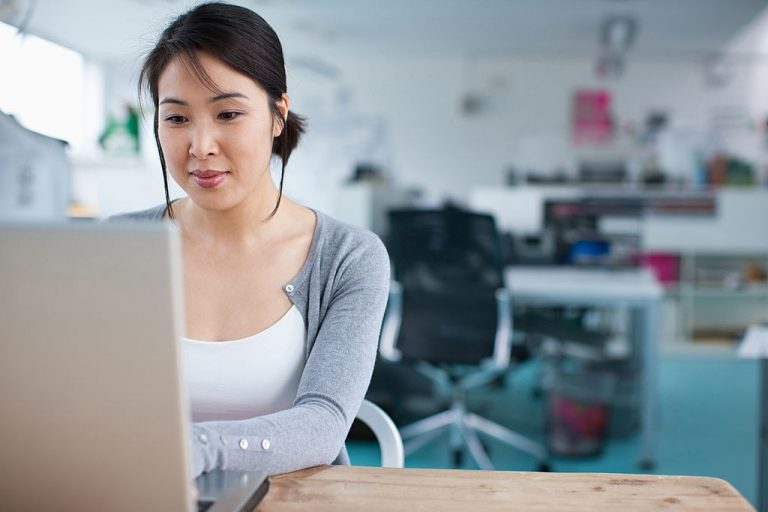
526 121
751 46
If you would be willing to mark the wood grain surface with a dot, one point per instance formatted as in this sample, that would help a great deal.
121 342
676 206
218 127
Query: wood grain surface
367 489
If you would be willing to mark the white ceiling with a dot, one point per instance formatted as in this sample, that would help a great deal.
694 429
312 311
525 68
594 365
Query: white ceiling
120 29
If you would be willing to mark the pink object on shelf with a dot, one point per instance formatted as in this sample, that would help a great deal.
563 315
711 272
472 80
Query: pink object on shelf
665 266
591 121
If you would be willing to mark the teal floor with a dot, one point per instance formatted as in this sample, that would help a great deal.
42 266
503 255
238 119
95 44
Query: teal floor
708 426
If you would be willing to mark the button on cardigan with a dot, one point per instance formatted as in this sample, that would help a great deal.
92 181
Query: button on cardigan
341 292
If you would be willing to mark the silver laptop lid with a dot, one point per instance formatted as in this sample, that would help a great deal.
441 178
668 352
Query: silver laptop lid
91 395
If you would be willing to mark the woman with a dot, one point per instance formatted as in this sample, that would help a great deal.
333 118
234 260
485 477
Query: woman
283 304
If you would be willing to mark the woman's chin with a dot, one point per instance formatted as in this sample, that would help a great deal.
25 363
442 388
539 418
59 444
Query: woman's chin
211 202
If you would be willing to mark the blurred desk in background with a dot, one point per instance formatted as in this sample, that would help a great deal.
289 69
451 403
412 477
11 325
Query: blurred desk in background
635 289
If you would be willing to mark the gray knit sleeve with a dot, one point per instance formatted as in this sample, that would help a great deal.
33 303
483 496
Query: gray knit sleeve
149 215
333 384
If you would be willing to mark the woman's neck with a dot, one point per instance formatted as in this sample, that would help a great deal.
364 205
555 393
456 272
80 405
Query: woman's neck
245 224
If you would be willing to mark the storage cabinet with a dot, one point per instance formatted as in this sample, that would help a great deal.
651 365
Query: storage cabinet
720 294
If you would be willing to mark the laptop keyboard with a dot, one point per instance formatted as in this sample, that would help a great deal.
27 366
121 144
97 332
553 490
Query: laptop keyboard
203 505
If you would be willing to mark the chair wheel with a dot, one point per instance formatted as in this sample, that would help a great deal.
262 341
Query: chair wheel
544 467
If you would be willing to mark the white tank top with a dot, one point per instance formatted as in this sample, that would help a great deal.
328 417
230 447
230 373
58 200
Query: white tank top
239 379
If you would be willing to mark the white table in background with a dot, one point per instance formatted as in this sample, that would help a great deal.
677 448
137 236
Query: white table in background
636 289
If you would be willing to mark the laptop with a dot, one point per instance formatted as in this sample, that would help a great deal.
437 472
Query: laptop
93 412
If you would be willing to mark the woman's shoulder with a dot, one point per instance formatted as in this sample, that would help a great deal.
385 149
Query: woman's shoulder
336 235
344 249
150 214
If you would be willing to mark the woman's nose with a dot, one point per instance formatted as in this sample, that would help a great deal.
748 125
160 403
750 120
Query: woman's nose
203 143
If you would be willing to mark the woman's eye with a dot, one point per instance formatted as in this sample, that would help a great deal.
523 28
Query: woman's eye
175 119
229 116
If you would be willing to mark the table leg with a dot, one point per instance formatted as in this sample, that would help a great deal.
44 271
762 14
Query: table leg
762 470
649 383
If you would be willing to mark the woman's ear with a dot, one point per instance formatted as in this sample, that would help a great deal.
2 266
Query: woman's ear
283 105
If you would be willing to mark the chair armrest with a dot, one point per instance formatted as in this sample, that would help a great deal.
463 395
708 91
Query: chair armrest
390 442
503 342
391 325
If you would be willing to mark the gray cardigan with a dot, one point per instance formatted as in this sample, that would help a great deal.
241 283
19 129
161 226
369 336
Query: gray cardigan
341 291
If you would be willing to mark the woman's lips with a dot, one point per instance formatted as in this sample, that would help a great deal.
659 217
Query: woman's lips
209 179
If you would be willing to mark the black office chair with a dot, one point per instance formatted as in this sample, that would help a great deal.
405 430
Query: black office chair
450 315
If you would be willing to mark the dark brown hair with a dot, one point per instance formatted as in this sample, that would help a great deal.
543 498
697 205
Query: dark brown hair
245 42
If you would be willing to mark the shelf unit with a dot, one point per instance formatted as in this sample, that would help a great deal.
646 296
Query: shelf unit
720 294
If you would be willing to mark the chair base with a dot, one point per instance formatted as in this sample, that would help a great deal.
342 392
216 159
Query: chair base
464 427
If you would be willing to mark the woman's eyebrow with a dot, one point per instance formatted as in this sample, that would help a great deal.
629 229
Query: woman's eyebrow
226 96
214 99
173 100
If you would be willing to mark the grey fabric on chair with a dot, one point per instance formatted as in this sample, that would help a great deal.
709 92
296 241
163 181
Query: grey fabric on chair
450 316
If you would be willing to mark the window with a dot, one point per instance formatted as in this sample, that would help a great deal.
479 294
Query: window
42 85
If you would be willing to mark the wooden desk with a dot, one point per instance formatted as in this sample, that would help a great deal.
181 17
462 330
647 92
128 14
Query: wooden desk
355 488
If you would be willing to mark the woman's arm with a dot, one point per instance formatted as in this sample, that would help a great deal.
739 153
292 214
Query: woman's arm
332 386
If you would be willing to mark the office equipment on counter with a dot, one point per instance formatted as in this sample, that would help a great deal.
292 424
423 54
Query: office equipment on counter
350 488
625 217
94 408
579 236
450 315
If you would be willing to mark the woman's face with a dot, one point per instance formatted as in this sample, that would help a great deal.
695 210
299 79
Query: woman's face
217 145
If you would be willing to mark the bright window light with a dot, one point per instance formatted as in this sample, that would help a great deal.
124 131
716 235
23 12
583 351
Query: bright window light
42 85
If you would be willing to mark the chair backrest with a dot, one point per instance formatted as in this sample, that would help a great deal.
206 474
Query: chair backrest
385 430
445 249
449 266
